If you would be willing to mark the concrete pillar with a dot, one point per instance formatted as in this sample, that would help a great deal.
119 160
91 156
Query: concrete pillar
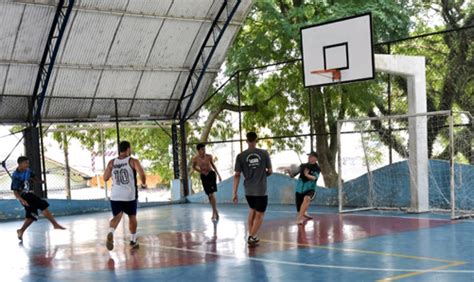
413 69
175 189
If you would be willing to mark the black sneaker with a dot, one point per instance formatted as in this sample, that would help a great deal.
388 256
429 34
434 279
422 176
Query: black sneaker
110 241
252 240
134 244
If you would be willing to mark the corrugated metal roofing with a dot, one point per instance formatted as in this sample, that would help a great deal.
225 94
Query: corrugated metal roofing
198 9
33 29
19 80
3 73
75 83
138 52
90 38
104 4
9 21
150 7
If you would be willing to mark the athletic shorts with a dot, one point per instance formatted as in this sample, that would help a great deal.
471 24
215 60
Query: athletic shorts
35 203
258 203
299 198
127 207
209 182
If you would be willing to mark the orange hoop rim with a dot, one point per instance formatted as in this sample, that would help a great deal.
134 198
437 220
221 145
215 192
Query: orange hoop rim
336 74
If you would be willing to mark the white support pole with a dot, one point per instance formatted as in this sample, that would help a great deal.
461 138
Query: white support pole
413 69
451 167
370 178
339 165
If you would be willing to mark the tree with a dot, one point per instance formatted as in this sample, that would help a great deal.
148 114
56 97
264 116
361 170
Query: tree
278 102
450 69
63 139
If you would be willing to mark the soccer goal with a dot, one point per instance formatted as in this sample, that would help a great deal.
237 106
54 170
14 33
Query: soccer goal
376 170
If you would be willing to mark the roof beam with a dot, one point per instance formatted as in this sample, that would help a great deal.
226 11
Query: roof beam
107 126
119 12
12 95
105 67
58 26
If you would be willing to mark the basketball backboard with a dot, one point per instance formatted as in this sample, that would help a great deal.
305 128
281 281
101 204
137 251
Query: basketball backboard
338 51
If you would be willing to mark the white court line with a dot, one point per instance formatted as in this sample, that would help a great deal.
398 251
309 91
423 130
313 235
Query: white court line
369 215
358 214
310 265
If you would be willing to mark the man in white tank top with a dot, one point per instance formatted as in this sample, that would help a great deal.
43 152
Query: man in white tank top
124 195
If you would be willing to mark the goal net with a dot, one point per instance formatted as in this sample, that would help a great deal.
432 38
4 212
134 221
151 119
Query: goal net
375 171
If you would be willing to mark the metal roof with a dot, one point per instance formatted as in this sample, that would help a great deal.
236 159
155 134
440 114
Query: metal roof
138 53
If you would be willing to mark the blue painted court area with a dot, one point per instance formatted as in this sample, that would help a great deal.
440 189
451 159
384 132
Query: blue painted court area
181 243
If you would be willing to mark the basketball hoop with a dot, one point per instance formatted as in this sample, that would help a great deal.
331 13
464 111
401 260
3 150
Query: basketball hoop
335 74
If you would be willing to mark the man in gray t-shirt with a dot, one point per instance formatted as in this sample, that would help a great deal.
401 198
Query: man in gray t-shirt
255 164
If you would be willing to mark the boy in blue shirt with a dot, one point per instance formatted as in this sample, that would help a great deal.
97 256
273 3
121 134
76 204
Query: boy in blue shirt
306 186
21 179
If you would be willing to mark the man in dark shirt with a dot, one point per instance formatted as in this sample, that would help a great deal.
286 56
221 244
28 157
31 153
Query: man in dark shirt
256 166
306 186
21 179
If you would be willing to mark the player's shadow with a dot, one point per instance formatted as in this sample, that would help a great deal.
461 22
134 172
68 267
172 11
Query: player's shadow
212 243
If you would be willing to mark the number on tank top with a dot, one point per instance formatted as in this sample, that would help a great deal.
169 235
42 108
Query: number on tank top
121 176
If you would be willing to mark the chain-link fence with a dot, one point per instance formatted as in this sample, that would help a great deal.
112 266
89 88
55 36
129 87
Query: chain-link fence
75 157
11 149
75 161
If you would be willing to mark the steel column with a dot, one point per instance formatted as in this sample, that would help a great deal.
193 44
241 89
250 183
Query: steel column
32 152
175 148
184 161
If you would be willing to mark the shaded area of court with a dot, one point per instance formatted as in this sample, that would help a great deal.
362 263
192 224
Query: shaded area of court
180 242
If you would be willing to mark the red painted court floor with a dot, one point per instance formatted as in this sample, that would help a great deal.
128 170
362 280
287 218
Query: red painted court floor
181 243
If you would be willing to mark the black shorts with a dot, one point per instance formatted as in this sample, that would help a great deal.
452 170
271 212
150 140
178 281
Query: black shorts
299 198
35 203
128 207
258 203
209 182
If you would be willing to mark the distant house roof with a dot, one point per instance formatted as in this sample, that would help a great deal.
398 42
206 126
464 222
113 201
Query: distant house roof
56 167
52 166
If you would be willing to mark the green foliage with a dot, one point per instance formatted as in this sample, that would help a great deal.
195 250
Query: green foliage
271 34
153 145
149 145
